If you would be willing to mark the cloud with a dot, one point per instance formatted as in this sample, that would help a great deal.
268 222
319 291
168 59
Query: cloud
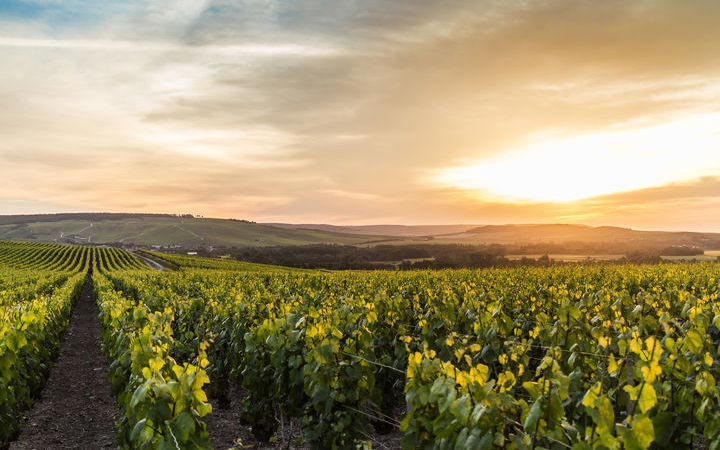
587 166
691 205
350 195
335 110
250 50
698 189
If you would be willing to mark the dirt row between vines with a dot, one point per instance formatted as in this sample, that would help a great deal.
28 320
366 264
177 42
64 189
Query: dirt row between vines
76 410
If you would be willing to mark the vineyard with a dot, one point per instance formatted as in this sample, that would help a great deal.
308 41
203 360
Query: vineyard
39 284
571 357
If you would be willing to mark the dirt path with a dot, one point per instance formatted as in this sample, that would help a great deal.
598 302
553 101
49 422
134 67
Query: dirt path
151 263
190 232
76 409
226 429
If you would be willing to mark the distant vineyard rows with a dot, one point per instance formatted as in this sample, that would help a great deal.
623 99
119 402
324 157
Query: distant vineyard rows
39 284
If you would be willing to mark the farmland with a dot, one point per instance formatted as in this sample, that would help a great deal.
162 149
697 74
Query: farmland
162 230
39 285
581 357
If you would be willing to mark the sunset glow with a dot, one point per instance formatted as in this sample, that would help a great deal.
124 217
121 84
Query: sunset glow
585 166
605 113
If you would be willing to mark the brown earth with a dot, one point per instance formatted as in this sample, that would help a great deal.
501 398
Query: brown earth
226 428
76 409
228 431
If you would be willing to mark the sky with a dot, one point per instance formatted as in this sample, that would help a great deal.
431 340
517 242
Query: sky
364 112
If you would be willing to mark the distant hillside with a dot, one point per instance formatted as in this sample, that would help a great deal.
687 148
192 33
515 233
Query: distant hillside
189 232
95 217
559 233
537 234
386 230
163 230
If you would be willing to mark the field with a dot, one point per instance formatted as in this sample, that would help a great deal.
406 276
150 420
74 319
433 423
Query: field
568 258
187 232
162 230
39 285
220 352
708 255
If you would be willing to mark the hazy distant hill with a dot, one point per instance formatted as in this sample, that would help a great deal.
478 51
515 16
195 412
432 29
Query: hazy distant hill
520 234
583 233
186 231
386 230
166 230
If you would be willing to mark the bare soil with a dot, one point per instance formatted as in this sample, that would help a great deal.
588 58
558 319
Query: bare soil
226 427
228 431
76 409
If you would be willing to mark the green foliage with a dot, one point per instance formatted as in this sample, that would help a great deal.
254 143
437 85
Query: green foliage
567 357
163 402
34 313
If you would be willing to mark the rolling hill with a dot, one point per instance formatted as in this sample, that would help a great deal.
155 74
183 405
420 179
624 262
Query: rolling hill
163 230
187 231
518 234
562 233
385 230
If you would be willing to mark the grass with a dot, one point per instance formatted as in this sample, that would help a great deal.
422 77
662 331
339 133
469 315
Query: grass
169 231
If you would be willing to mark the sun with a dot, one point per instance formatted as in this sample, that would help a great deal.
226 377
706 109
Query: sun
592 165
